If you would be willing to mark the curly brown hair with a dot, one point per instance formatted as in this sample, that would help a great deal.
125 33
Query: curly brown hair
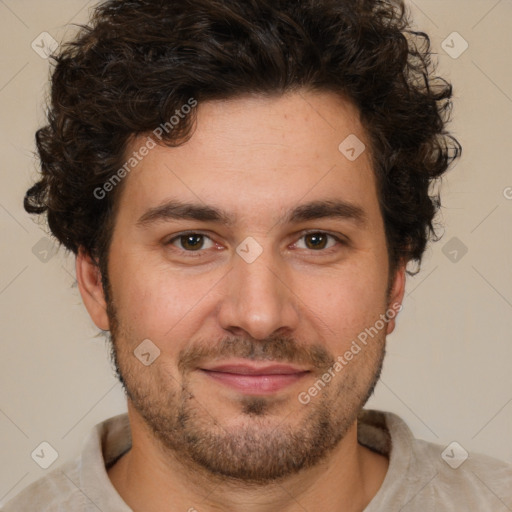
138 61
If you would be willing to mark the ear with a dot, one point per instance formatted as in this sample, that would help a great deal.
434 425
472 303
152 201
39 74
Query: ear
88 276
396 295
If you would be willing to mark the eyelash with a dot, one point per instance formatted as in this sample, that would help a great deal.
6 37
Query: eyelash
200 252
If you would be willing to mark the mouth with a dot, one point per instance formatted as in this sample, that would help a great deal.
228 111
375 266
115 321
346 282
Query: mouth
255 379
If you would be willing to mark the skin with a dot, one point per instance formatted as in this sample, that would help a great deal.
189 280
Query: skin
256 158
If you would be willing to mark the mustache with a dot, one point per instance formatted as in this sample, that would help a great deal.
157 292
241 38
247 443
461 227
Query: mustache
280 349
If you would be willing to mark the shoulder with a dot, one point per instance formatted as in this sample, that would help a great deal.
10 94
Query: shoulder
55 492
450 477
81 484
461 476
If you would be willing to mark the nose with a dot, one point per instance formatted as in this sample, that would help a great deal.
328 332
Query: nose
259 300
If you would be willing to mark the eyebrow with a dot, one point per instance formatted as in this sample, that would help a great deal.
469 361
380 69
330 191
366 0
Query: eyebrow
327 209
177 210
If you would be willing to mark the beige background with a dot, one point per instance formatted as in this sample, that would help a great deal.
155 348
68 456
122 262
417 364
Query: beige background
447 370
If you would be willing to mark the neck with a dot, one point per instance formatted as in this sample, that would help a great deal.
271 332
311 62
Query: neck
150 479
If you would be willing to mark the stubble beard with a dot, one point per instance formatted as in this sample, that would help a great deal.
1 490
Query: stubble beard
263 447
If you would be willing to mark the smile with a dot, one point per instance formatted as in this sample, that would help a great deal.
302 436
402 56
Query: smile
255 379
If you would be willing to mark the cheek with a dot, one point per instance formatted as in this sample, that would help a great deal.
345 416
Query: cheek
160 304
345 303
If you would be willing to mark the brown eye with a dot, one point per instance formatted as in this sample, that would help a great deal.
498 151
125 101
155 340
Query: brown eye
191 242
316 240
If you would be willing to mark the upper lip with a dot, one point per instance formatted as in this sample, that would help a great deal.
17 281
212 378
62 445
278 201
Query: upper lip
254 369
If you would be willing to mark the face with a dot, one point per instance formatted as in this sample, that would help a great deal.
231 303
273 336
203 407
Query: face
252 257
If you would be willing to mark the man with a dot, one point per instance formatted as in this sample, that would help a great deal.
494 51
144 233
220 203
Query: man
243 185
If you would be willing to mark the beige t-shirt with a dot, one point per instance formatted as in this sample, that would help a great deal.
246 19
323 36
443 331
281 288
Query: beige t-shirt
418 479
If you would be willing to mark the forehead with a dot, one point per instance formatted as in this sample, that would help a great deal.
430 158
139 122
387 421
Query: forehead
259 155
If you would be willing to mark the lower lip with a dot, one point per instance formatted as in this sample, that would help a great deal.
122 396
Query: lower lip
255 384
